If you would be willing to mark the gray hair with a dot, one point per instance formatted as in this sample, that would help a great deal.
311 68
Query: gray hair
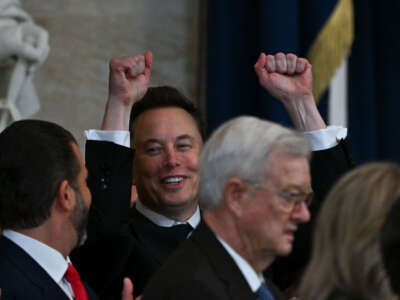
240 148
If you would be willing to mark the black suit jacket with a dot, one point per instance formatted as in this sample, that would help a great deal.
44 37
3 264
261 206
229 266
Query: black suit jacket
22 278
201 268
121 239
137 254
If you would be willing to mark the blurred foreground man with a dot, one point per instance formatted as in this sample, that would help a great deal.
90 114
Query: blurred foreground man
254 191
44 204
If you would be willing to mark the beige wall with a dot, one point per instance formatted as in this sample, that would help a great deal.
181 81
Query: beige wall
84 34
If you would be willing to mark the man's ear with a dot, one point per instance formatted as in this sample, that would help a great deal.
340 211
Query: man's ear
235 193
133 176
133 169
65 197
134 195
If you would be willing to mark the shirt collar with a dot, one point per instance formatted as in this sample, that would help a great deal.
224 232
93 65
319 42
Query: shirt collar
253 279
48 258
164 221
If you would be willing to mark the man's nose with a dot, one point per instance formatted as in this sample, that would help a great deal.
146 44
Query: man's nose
171 158
301 213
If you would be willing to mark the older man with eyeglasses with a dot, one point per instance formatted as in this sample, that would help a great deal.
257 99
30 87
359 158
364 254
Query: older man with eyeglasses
254 191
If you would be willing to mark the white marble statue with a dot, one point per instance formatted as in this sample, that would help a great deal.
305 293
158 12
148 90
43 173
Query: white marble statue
23 47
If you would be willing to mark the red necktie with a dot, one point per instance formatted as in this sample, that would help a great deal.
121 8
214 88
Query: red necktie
72 276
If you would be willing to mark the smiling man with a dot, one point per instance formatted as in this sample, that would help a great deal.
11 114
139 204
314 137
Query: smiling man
254 183
166 153
166 135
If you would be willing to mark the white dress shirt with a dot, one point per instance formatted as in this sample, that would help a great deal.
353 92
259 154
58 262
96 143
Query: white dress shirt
164 221
48 258
120 137
319 139
325 138
253 279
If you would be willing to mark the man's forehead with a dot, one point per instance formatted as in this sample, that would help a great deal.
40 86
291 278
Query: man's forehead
183 137
287 169
165 122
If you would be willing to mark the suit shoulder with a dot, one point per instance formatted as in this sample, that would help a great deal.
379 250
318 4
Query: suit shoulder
14 284
189 288
185 275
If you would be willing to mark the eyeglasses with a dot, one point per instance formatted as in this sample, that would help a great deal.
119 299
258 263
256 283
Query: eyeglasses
291 200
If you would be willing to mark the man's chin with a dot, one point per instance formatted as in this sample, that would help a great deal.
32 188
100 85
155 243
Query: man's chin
179 201
286 249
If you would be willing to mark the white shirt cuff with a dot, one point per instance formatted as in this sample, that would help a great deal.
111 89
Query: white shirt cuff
120 137
325 138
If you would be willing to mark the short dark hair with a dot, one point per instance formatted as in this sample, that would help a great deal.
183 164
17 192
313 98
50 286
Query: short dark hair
390 246
166 96
35 157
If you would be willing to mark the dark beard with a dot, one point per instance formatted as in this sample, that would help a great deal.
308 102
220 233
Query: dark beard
79 218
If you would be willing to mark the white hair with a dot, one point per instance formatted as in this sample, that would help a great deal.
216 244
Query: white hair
240 148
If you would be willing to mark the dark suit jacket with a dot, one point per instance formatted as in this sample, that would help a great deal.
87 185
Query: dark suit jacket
122 242
22 278
201 268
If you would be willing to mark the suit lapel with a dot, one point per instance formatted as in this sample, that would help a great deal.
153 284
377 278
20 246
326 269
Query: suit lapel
31 270
225 267
222 263
91 294
276 292
152 240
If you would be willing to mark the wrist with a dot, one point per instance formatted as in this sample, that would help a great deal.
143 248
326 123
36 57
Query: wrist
116 115
304 113
121 99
